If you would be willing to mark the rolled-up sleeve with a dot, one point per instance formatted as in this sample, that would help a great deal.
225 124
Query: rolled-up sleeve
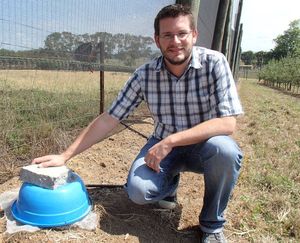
224 100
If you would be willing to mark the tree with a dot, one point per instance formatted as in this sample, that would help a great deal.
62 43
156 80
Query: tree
60 44
107 39
262 58
288 44
129 48
248 57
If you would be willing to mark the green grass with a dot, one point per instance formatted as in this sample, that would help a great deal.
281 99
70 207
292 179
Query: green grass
31 111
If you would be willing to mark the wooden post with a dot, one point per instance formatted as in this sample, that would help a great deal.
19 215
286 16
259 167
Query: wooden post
101 77
194 5
220 25
236 36
227 32
238 54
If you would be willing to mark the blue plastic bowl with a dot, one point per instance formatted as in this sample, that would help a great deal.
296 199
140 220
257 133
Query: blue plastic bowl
50 208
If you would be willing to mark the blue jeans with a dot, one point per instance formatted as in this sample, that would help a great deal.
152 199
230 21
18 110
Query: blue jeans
218 159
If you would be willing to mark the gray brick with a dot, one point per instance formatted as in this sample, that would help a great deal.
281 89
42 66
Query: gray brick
50 177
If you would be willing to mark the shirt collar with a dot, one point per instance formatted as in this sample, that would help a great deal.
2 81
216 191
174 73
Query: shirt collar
159 64
195 63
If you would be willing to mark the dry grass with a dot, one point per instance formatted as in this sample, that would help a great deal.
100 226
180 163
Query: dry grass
265 205
60 81
42 111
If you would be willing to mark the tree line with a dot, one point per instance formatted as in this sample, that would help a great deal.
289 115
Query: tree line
123 48
286 45
280 67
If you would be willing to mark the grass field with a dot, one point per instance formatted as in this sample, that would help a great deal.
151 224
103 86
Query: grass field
266 203
42 111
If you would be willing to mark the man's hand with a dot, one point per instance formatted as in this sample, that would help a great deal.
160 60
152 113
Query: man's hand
50 160
156 154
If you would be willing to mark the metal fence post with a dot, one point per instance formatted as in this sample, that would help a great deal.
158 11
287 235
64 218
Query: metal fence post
101 77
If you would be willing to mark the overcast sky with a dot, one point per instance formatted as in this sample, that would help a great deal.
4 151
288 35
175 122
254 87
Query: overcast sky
264 20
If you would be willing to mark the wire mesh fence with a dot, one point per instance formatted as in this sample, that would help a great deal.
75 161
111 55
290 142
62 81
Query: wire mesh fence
50 63
66 34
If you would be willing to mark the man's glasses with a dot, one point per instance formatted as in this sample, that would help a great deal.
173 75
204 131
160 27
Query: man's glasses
180 36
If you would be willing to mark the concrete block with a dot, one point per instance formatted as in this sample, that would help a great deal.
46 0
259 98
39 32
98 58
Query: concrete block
49 177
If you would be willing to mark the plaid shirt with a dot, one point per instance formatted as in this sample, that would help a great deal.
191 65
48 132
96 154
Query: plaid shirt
206 90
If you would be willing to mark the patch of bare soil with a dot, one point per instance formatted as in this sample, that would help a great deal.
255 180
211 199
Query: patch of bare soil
119 219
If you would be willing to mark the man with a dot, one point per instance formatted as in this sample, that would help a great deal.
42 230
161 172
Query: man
193 100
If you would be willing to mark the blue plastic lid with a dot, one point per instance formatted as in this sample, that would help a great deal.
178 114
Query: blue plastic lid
43 207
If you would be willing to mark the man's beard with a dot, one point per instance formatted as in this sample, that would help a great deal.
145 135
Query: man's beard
178 62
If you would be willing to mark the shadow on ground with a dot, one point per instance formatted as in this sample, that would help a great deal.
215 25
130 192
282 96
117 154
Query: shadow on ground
120 216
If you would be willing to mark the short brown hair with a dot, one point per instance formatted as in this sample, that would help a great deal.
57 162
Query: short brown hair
173 11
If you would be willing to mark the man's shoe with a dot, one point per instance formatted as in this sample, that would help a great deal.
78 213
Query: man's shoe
213 237
168 202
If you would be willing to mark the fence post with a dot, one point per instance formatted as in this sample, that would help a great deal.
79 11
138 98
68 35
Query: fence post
236 36
223 11
227 31
101 77
194 5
